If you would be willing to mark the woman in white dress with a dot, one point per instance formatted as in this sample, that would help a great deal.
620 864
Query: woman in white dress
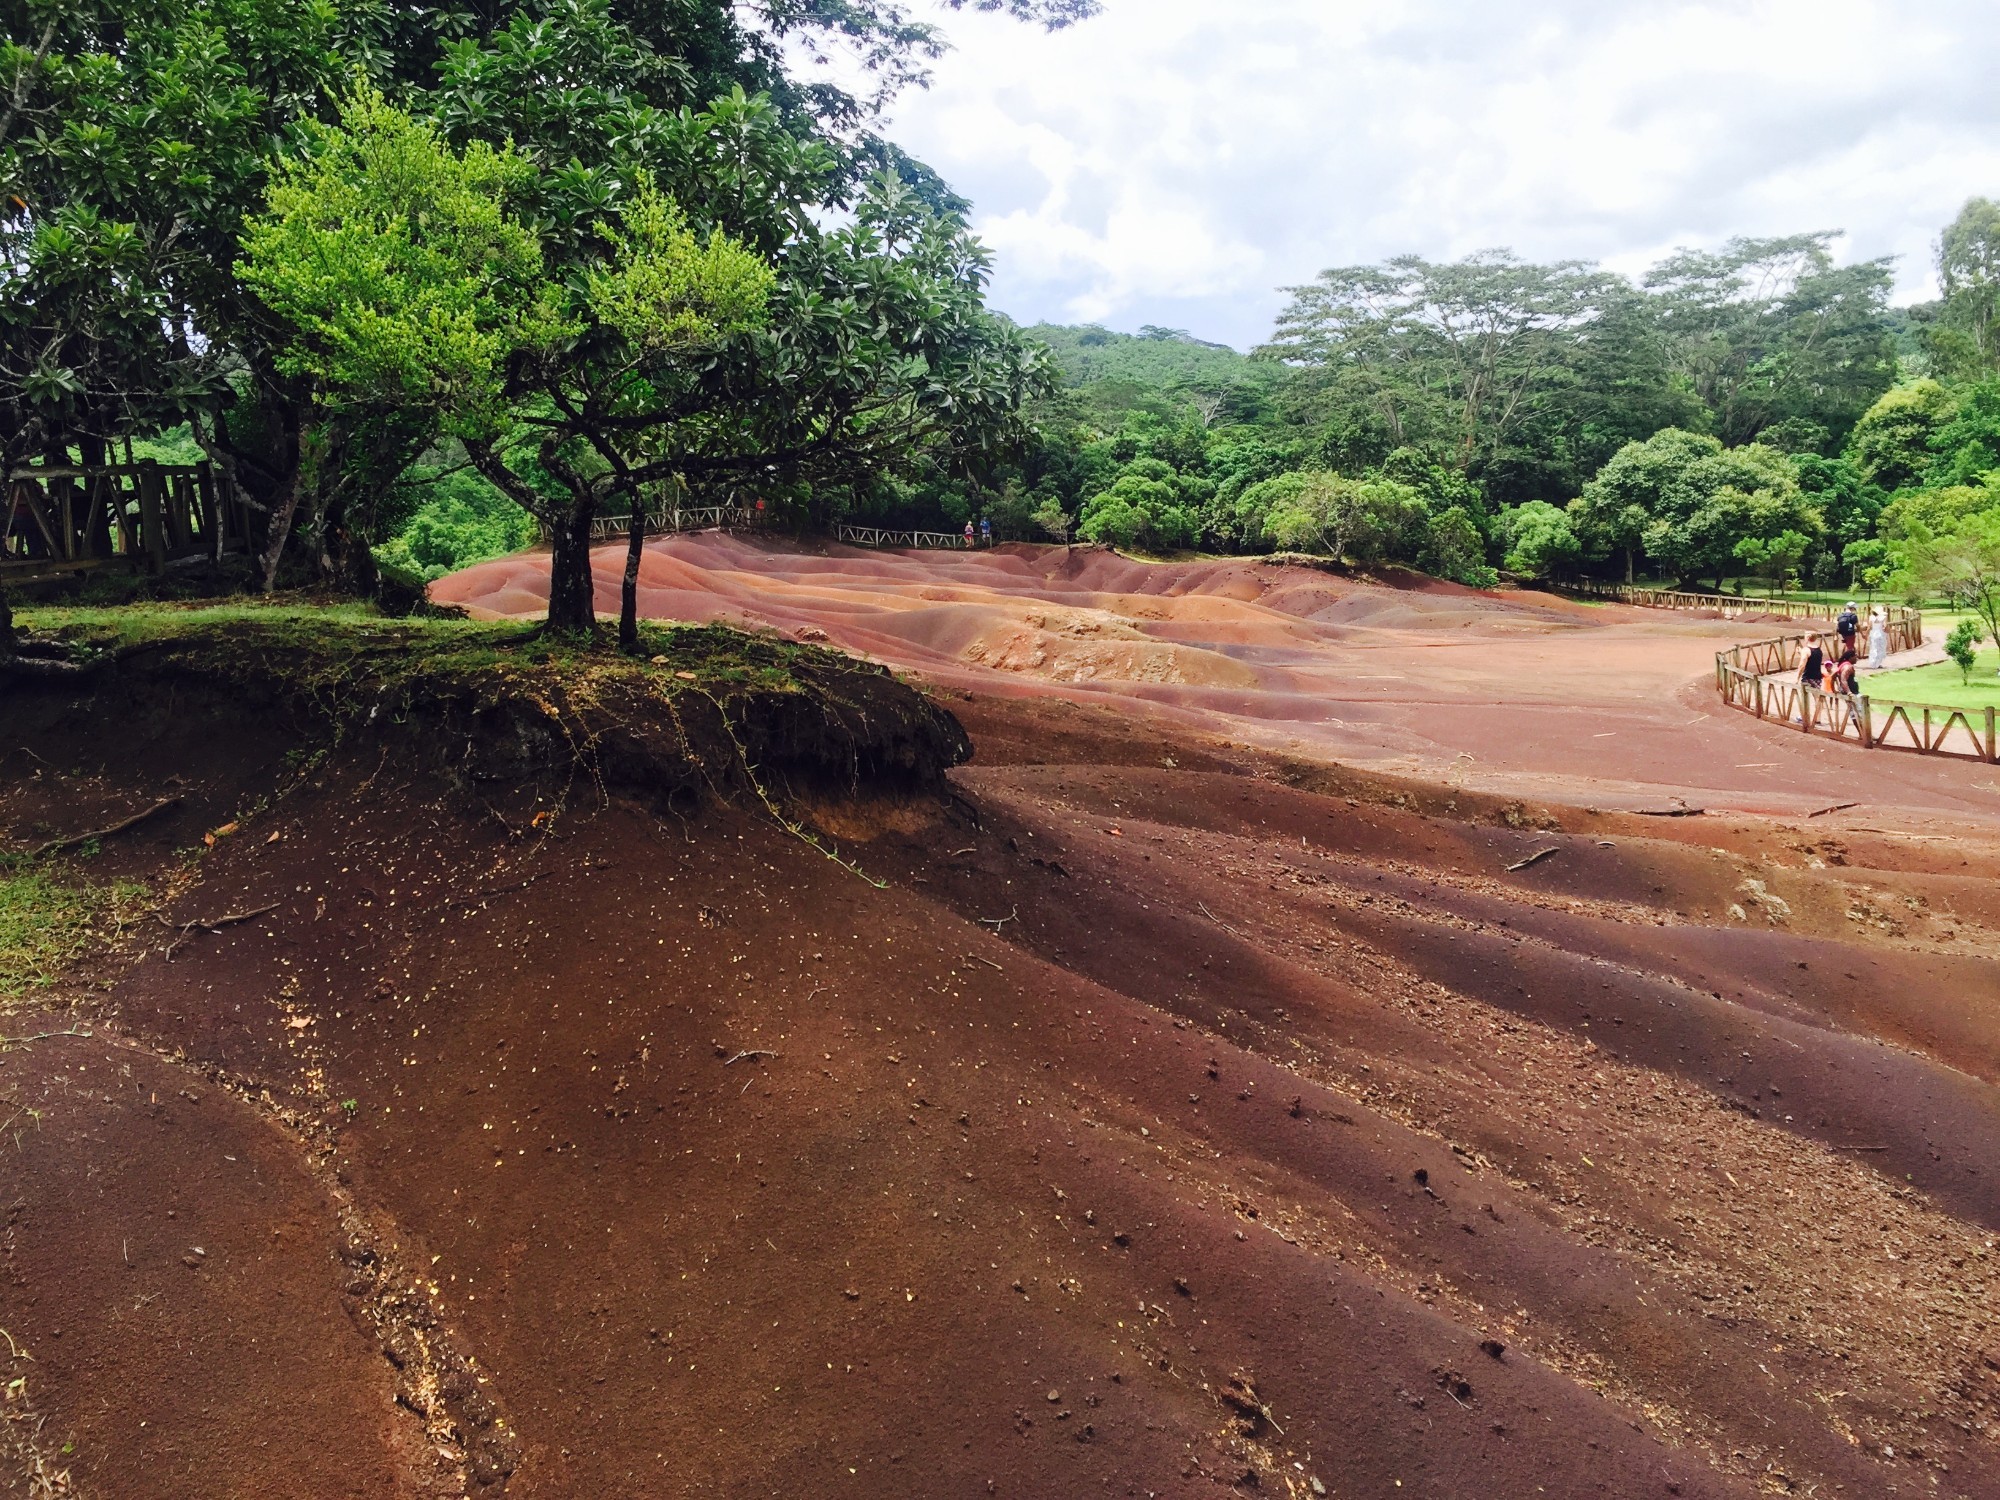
1878 637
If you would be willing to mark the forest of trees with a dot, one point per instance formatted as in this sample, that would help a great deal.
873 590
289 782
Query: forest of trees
427 279
1755 412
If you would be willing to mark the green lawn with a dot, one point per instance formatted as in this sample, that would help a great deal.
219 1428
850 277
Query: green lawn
1939 684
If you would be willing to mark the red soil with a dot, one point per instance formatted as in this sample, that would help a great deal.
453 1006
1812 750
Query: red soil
682 1161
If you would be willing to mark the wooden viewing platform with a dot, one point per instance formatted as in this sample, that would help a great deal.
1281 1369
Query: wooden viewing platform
890 536
59 520
1753 678
672 521
1727 604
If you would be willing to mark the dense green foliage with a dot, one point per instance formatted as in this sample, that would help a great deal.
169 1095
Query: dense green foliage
195 187
455 520
1754 413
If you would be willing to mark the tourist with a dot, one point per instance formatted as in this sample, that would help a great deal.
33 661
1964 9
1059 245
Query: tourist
1878 638
1840 683
985 531
968 532
1848 624
1811 673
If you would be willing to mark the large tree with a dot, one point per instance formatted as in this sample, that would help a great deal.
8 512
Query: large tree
605 354
1456 359
1770 331
1960 558
1689 503
1965 338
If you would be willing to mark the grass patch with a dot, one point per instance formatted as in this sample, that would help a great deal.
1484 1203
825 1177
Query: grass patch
48 924
1939 684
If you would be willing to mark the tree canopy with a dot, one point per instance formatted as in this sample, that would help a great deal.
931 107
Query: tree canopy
152 257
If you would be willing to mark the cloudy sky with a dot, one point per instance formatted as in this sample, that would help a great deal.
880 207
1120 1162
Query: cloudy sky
1177 161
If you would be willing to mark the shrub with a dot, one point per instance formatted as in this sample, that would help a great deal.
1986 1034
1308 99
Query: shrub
1962 646
1539 540
463 521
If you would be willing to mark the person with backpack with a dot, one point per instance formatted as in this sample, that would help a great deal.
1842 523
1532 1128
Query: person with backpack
1848 625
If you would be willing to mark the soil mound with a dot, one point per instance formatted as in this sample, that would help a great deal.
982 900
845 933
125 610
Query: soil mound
1137 1114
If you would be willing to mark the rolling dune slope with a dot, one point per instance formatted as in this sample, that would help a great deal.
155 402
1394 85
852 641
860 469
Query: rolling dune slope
1280 1074
1513 692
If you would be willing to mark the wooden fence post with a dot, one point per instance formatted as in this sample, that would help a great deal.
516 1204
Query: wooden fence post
209 501
152 517
1867 726
1991 748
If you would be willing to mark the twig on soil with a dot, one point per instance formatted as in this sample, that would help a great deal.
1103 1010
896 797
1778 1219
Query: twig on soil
229 919
996 923
753 1052
1837 807
1534 859
213 924
42 1036
968 849
987 961
1668 812
1216 920
19 1109
56 846
493 813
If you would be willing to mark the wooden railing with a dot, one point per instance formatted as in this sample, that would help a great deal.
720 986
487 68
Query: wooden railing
886 536
1728 604
678 519
57 520
1752 678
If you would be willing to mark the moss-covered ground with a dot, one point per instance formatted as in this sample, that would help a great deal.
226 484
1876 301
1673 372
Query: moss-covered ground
50 917
328 647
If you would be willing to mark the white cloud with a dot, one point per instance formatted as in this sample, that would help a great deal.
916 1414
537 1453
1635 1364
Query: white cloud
1175 161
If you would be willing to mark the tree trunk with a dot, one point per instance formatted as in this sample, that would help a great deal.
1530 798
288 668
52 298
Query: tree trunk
7 636
572 595
1628 564
628 599
346 561
278 530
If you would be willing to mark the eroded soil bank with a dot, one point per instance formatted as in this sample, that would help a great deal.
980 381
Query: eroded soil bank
1174 1118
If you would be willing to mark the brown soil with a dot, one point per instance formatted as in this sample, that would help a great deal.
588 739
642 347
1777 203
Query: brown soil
1185 1114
